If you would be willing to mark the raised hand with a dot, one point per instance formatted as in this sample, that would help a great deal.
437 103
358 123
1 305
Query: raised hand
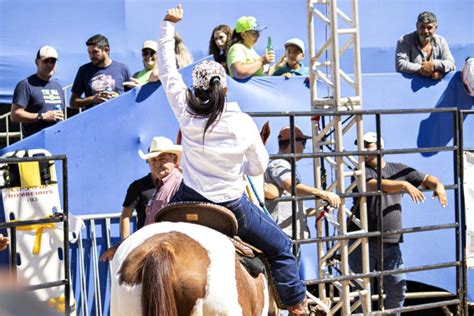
174 14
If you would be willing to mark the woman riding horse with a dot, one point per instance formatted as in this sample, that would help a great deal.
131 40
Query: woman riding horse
221 144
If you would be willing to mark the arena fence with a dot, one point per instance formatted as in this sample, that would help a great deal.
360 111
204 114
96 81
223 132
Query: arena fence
90 278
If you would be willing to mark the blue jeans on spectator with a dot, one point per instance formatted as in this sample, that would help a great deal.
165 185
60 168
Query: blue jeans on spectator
394 285
258 229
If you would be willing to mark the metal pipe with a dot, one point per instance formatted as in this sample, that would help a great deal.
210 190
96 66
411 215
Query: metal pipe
67 288
382 273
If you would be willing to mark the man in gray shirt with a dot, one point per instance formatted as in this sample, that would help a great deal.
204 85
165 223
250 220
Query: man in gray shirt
396 177
278 173
423 52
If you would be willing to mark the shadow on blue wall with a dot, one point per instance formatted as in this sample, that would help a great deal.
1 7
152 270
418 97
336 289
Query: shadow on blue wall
146 91
437 130
418 82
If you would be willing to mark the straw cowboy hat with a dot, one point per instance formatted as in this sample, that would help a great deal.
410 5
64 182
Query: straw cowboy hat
161 145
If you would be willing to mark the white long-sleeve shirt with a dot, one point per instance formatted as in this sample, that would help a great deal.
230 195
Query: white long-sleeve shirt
232 146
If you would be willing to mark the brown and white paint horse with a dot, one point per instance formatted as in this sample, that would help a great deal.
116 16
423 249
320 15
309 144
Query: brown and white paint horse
170 269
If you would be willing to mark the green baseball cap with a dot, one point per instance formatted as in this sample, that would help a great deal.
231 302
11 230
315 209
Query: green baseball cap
248 23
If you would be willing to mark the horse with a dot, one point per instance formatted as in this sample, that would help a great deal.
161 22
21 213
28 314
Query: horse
171 269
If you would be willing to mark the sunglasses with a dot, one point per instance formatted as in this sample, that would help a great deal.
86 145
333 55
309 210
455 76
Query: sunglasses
302 140
148 53
254 33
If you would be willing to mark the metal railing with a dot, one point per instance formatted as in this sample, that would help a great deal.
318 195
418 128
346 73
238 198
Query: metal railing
459 264
58 218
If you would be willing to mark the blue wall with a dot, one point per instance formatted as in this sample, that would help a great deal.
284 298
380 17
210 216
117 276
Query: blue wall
102 143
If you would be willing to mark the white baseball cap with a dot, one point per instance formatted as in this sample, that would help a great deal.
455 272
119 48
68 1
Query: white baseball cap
296 42
150 44
46 52
371 138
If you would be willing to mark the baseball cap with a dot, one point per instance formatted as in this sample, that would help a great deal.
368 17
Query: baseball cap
285 133
248 23
371 138
150 44
46 52
205 71
296 42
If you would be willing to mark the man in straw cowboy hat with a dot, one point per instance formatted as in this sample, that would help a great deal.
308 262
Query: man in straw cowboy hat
151 193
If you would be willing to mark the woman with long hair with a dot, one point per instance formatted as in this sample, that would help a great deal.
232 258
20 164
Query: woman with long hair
221 144
183 56
221 39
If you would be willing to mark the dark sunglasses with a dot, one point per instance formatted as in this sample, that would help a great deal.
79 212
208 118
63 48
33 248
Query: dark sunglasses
302 140
254 33
148 53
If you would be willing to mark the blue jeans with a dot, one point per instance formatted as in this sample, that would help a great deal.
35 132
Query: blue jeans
394 285
258 229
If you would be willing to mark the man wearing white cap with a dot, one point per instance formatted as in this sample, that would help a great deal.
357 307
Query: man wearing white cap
38 101
291 63
396 178
149 63
151 193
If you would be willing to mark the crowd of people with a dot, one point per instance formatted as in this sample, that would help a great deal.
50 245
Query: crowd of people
38 101
233 145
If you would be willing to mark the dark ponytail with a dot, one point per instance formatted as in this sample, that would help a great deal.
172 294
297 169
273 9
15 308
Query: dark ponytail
207 103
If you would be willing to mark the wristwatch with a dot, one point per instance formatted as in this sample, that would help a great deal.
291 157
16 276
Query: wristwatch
39 117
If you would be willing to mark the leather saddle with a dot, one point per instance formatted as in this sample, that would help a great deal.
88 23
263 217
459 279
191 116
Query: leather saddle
210 215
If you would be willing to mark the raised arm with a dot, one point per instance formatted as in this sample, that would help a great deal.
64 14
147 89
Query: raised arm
171 79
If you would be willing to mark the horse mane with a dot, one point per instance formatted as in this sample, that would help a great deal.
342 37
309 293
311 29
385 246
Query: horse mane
151 264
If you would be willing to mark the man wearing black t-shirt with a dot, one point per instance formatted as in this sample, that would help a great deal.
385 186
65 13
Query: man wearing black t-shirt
38 101
397 178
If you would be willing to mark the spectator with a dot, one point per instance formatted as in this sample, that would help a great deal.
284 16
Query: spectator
151 193
100 80
278 174
183 56
38 101
4 241
423 52
219 44
149 63
467 75
396 178
242 59
290 64
221 144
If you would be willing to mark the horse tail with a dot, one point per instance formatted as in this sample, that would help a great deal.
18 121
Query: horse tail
158 276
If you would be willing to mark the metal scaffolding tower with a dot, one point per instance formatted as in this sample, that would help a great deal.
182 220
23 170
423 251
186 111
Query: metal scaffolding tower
328 25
